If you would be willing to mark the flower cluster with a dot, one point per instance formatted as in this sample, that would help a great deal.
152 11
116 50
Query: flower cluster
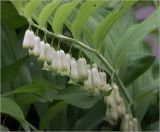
129 124
115 105
61 63
116 111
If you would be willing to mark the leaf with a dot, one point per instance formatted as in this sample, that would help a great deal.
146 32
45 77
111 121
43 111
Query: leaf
132 36
30 7
9 13
84 12
61 14
51 113
78 97
46 12
92 118
9 72
136 67
44 93
11 108
148 90
109 21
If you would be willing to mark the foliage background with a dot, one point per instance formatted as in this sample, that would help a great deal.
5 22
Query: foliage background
39 95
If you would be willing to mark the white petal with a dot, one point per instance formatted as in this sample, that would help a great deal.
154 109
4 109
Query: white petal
88 83
82 67
48 51
42 57
67 62
74 70
36 48
96 77
31 40
54 64
26 39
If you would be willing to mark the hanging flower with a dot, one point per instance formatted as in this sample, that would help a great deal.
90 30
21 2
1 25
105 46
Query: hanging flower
48 51
74 70
95 78
26 39
42 56
36 48
82 69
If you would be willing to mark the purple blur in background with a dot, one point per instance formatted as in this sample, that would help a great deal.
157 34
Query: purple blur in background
140 14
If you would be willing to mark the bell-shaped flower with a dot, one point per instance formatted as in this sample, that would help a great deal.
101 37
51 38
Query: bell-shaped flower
88 84
26 39
36 48
74 70
31 44
60 55
82 68
95 77
102 78
66 63
54 64
42 56
125 123
48 50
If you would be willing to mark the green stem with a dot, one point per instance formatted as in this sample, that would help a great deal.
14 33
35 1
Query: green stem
99 55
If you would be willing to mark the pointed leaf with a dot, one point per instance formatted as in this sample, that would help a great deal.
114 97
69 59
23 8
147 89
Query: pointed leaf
133 35
84 12
61 14
51 113
30 7
105 26
46 12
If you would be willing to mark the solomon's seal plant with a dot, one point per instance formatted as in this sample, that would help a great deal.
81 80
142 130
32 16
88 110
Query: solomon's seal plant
86 54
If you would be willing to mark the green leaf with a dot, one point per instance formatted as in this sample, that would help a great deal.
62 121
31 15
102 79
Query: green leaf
136 67
9 107
46 12
43 93
30 7
51 113
92 118
9 13
61 14
132 36
104 27
148 90
78 97
84 12
9 72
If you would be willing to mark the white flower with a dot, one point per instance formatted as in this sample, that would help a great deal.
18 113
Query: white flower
66 62
42 57
82 68
48 51
26 39
95 77
60 55
88 83
103 78
54 64
36 48
74 70
31 44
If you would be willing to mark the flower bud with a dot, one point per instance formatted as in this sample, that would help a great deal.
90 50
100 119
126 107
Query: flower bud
26 39
102 78
48 50
95 77
31 44
74 70
114 115
36 49
88 83
135 124
67 63
42 57
130 126
82 68
54 64
124 123
60 55
116 93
